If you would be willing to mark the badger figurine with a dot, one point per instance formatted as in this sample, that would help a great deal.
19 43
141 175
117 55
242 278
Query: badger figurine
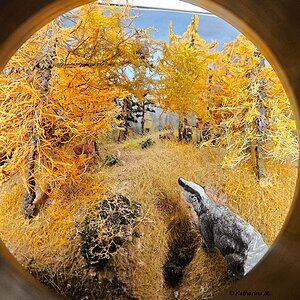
238 241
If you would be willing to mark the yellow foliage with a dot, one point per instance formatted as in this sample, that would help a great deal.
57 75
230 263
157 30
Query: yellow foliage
46 239
58 90
241 80
184 71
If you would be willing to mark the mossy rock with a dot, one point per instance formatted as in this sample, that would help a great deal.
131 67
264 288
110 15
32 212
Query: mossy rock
106 227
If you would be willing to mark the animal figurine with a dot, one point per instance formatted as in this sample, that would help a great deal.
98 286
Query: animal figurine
238 241
167 135
88 148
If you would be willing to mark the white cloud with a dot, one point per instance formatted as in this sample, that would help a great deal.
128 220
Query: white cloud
162 4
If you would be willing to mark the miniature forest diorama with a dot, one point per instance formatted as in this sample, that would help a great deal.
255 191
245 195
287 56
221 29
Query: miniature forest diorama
135 168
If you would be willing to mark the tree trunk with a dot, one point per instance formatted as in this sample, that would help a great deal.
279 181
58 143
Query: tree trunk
124 132
180 130
44 73
126 123
261 127
260 121
30 194
260 165
97 150
143 119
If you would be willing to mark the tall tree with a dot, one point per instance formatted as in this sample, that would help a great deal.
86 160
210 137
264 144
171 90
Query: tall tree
139 82
184 71
58 90
254 110
131 109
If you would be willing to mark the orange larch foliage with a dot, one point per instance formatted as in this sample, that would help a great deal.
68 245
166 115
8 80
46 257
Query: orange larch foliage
58 90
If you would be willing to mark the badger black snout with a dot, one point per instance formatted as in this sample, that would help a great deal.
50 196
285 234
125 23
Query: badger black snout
181 182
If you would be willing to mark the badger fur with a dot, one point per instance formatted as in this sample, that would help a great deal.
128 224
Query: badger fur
238 241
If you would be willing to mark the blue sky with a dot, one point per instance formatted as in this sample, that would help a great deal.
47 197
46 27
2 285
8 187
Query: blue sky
210 27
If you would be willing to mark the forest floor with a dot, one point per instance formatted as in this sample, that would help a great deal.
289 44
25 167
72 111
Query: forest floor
164 259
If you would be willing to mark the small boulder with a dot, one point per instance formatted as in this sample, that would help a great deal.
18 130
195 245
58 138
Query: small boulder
106 227
147 143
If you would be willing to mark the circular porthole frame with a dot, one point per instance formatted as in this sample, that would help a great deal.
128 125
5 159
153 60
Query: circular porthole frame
273 25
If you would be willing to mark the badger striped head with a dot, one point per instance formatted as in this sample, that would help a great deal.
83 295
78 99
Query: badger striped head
194 194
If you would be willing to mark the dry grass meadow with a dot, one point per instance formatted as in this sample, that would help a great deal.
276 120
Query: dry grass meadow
49 244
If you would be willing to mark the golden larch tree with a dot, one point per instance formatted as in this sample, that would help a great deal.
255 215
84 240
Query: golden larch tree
57 91
184 70
255 113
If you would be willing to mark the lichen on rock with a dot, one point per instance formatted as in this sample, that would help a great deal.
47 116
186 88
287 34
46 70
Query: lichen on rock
106 227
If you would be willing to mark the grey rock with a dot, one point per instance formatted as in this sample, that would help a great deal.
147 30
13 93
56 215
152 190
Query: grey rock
107 226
